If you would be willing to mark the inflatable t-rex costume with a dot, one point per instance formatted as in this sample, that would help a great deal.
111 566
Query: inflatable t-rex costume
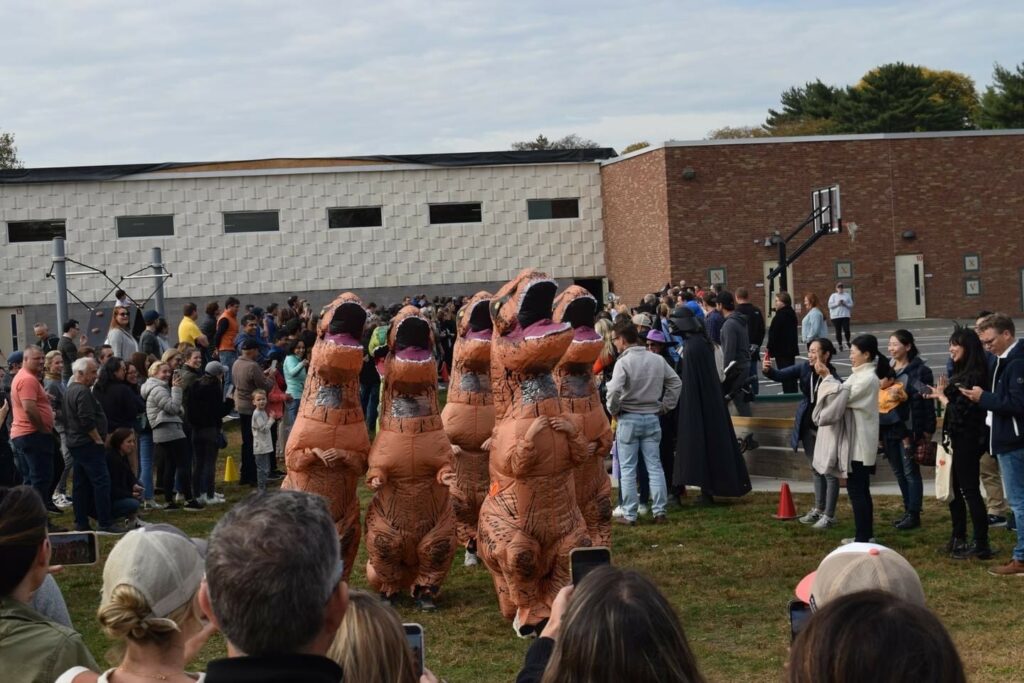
581 400
410 530
469 416
327 449
530 521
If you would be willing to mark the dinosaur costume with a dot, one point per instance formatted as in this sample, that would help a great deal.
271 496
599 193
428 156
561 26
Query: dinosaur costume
530 520
469 416
581 400
410 529
327 449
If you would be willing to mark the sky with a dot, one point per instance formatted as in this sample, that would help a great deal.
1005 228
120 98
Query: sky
104 82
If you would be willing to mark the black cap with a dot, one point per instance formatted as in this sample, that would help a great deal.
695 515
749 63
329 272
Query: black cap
249 344
683 320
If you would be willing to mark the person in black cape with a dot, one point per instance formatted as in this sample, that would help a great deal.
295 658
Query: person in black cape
708 454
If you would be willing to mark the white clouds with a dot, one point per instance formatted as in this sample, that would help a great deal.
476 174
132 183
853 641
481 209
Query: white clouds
106 82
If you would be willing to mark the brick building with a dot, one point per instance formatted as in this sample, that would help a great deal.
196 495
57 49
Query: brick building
939 218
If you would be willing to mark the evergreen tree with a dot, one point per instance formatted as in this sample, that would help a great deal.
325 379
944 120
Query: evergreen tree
807 110
8 152
1002 105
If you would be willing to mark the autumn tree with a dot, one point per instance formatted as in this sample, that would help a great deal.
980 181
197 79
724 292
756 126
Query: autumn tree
635 146
736 132
1002 105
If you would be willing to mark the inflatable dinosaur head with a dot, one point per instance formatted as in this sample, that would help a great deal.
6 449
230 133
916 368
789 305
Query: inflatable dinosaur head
338 353
578 307
521 312
411 343
474 327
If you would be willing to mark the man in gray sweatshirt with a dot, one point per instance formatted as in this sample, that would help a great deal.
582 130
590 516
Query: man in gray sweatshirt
735 352
643 386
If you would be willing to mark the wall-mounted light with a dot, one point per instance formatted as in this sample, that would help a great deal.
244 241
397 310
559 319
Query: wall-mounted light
909 235
689 173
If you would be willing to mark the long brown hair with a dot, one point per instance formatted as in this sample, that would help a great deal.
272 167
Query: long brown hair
619 627
116 325
814 302
22 529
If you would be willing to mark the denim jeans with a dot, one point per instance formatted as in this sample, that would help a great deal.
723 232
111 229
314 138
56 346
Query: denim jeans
145 440
36 460
1012 466
263 469
91 482
640 435
906 469
293 410
62 479
227 359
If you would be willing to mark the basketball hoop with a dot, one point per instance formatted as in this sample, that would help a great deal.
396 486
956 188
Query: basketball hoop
852 229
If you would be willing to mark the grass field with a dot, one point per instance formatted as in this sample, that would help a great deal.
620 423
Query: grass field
729 570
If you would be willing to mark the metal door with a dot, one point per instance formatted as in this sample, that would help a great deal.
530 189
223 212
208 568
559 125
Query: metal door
12 330
771 287
910 300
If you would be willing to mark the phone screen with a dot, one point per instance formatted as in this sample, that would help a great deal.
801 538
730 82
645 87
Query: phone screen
582 561
75 547
799 613
414 636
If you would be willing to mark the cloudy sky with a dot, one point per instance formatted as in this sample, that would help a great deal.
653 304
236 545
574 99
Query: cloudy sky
97 81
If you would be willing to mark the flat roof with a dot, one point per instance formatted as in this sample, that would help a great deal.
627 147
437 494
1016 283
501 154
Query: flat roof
816 138
281 166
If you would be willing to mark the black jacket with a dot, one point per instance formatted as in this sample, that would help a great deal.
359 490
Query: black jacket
122 479
805 373
121 404
755 322
271 669
1006 401
205 405
783 335
917 412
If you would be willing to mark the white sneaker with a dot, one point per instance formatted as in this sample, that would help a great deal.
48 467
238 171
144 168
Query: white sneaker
151 504
61 501
812 516
641 510
218 499
618 511
471 560
178 498
824 522
848 541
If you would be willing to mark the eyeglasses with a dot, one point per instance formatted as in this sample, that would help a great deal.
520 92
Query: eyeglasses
988 342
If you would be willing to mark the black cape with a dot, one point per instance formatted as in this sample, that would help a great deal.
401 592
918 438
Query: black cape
708 454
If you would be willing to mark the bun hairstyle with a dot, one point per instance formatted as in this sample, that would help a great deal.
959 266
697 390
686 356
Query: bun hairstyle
126 615
22 529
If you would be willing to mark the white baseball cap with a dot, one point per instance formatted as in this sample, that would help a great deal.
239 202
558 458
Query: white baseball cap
160 562
858 567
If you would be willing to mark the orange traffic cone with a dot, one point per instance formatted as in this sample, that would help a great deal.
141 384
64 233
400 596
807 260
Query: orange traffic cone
786 509
444 372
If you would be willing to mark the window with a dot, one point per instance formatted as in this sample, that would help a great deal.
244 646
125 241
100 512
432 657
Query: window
541 209
354 217
251 221
35 231
145 226
456 213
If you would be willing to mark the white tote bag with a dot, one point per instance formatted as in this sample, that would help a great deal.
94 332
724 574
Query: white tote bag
943 475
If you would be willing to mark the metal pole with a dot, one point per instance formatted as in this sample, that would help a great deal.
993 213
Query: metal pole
783 279
61 277
158 269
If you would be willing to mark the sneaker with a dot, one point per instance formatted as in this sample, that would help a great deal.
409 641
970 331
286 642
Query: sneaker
993 520
61 501
171 507
193 506
113 529
471 560
848 541
425 603
642 510
911 521
824 522
660 519
812 516
625 522
152 505
974 551
1011 568
524 630
53 509
618 512
178 498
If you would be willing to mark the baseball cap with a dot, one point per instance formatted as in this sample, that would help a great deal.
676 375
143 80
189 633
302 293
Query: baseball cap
16 357
150 317
857 567
216 369
160 562
642 320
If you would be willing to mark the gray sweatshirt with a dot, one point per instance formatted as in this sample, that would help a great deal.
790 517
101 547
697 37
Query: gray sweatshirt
642 382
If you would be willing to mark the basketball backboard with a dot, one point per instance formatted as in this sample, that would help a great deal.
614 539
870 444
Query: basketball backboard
826 209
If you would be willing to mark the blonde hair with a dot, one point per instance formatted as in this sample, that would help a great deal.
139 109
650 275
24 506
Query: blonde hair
127 616
155 367
604 328
169 355
370 644
185 348
48 364
258 392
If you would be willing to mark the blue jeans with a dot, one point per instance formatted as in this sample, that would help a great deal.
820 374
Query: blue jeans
636 435
906 469
1012 466
227 359
146 463
293 410
35 457
91 481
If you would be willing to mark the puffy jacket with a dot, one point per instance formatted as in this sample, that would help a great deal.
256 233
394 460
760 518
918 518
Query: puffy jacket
163 410
1006 401
918 412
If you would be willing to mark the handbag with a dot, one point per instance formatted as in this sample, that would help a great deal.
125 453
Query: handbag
944 476
924 451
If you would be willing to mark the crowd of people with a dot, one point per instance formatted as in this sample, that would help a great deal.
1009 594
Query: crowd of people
134 419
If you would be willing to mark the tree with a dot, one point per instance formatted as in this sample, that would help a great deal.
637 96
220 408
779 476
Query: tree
635 146
901 98
571 141
1002 105
736 132
956 90
809 110
8 152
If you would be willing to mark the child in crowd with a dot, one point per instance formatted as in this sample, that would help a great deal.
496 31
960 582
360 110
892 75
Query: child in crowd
262 442
890 395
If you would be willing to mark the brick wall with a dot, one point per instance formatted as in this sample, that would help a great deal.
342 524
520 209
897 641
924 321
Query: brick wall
960 195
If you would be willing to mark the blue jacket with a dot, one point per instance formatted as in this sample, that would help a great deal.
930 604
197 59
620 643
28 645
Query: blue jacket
695 307
805 372
1006 401
265 348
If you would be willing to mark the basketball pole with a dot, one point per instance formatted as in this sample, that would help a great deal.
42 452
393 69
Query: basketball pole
60 274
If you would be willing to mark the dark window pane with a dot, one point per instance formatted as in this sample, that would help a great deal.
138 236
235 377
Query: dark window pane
541 209
35 231
145 226
250 221
455 213
356 217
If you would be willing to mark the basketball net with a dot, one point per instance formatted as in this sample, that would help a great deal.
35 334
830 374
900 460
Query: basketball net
852 229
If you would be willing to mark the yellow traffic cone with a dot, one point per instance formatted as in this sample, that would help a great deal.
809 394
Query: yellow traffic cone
231 473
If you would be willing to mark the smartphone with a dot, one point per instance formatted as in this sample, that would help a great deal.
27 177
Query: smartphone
74 547
582 561
273 364
414 636
799 613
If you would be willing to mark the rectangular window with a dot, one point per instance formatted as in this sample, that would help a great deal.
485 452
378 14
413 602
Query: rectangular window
354 217
470 212
250 221
543 209
145 226
35 231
